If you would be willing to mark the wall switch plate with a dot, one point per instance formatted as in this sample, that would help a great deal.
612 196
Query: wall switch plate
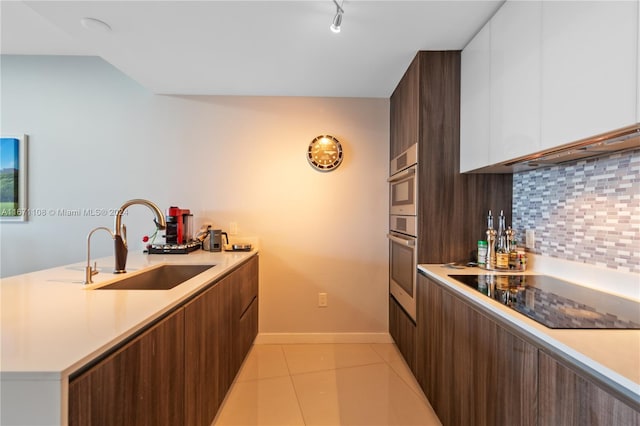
530 237
322 300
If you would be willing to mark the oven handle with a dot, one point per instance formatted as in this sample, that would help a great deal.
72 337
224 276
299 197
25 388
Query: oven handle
403 174
409 242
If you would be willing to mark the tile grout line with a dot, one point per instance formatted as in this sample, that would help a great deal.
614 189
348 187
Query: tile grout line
304 373
293 385
410 385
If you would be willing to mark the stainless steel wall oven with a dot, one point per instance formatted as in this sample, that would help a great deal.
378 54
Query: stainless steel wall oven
403 183
403 229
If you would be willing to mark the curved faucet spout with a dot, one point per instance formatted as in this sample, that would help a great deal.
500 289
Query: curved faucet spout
90 271
119 233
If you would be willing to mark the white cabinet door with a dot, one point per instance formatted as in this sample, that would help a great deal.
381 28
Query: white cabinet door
474 102
589 68
515 80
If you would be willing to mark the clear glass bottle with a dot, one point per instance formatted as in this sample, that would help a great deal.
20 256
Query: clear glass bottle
491 243
512 248
502 254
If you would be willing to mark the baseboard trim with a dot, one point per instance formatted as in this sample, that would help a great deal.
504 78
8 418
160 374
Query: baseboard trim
289 338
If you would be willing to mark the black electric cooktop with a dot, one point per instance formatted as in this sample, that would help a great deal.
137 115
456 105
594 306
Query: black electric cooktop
555 303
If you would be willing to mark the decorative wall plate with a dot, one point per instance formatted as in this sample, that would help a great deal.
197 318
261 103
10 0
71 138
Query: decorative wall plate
325 153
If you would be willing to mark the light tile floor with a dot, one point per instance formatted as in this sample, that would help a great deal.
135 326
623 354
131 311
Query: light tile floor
325 384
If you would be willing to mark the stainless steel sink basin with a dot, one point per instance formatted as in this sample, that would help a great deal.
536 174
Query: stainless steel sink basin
163 277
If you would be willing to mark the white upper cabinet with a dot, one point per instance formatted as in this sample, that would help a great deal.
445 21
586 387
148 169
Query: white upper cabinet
555 72
589 68
475 102
515 80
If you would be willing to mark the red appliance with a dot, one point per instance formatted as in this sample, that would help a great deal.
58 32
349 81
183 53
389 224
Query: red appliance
179 225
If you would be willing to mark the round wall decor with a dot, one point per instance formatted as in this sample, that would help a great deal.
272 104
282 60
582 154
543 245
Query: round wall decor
325 153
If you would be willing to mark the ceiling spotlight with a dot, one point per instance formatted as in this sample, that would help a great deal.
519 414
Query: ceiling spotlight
337 20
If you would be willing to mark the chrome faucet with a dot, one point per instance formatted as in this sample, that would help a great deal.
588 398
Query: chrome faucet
120 232
88 270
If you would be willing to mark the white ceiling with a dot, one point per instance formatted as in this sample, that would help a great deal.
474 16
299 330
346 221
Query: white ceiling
253 48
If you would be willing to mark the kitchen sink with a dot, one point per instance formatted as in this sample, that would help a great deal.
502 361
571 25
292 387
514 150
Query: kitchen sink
163 277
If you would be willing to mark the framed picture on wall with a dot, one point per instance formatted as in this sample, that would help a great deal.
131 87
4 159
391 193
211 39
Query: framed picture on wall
13 178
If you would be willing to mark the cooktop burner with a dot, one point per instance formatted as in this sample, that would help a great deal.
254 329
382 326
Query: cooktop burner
555 303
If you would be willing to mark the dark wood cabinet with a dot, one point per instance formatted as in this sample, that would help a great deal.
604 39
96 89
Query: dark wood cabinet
472 370
208 372
180 369
405 110
403 330
246 333
506 366
476 371
245 311
217 339
140 384
568 398
434 348
452 207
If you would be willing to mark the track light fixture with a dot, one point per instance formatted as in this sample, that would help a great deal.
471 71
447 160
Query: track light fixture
337 20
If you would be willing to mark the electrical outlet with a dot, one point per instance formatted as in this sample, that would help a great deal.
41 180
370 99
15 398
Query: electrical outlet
233 228
322 300
530 237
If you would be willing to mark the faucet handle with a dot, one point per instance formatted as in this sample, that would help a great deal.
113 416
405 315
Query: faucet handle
90 272
123 232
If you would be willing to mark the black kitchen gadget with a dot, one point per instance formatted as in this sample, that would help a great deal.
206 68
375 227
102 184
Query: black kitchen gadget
174 248
556 303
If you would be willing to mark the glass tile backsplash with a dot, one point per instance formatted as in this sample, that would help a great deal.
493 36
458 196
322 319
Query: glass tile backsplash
586 211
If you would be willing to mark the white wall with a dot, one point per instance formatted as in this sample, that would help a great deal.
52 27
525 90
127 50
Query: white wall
97 138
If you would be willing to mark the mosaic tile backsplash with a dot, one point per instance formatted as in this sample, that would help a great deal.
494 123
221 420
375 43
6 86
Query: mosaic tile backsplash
586 211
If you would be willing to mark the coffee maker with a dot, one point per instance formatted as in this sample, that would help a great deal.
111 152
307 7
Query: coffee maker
179 226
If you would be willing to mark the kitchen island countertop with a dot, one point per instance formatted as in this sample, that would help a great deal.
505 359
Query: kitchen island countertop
610 356
52 324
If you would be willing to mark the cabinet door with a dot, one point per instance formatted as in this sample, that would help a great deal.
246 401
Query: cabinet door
434 346
515 80
140 384
403 331
589 73
208 371
475 102
488 361
510 370
472 370
405 110
246 333
567 398
245 311
427 332
248 286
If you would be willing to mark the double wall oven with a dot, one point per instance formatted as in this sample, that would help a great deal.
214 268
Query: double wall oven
403 229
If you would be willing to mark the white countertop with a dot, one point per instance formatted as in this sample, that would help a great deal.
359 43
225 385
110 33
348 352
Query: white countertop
611 355
52 324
